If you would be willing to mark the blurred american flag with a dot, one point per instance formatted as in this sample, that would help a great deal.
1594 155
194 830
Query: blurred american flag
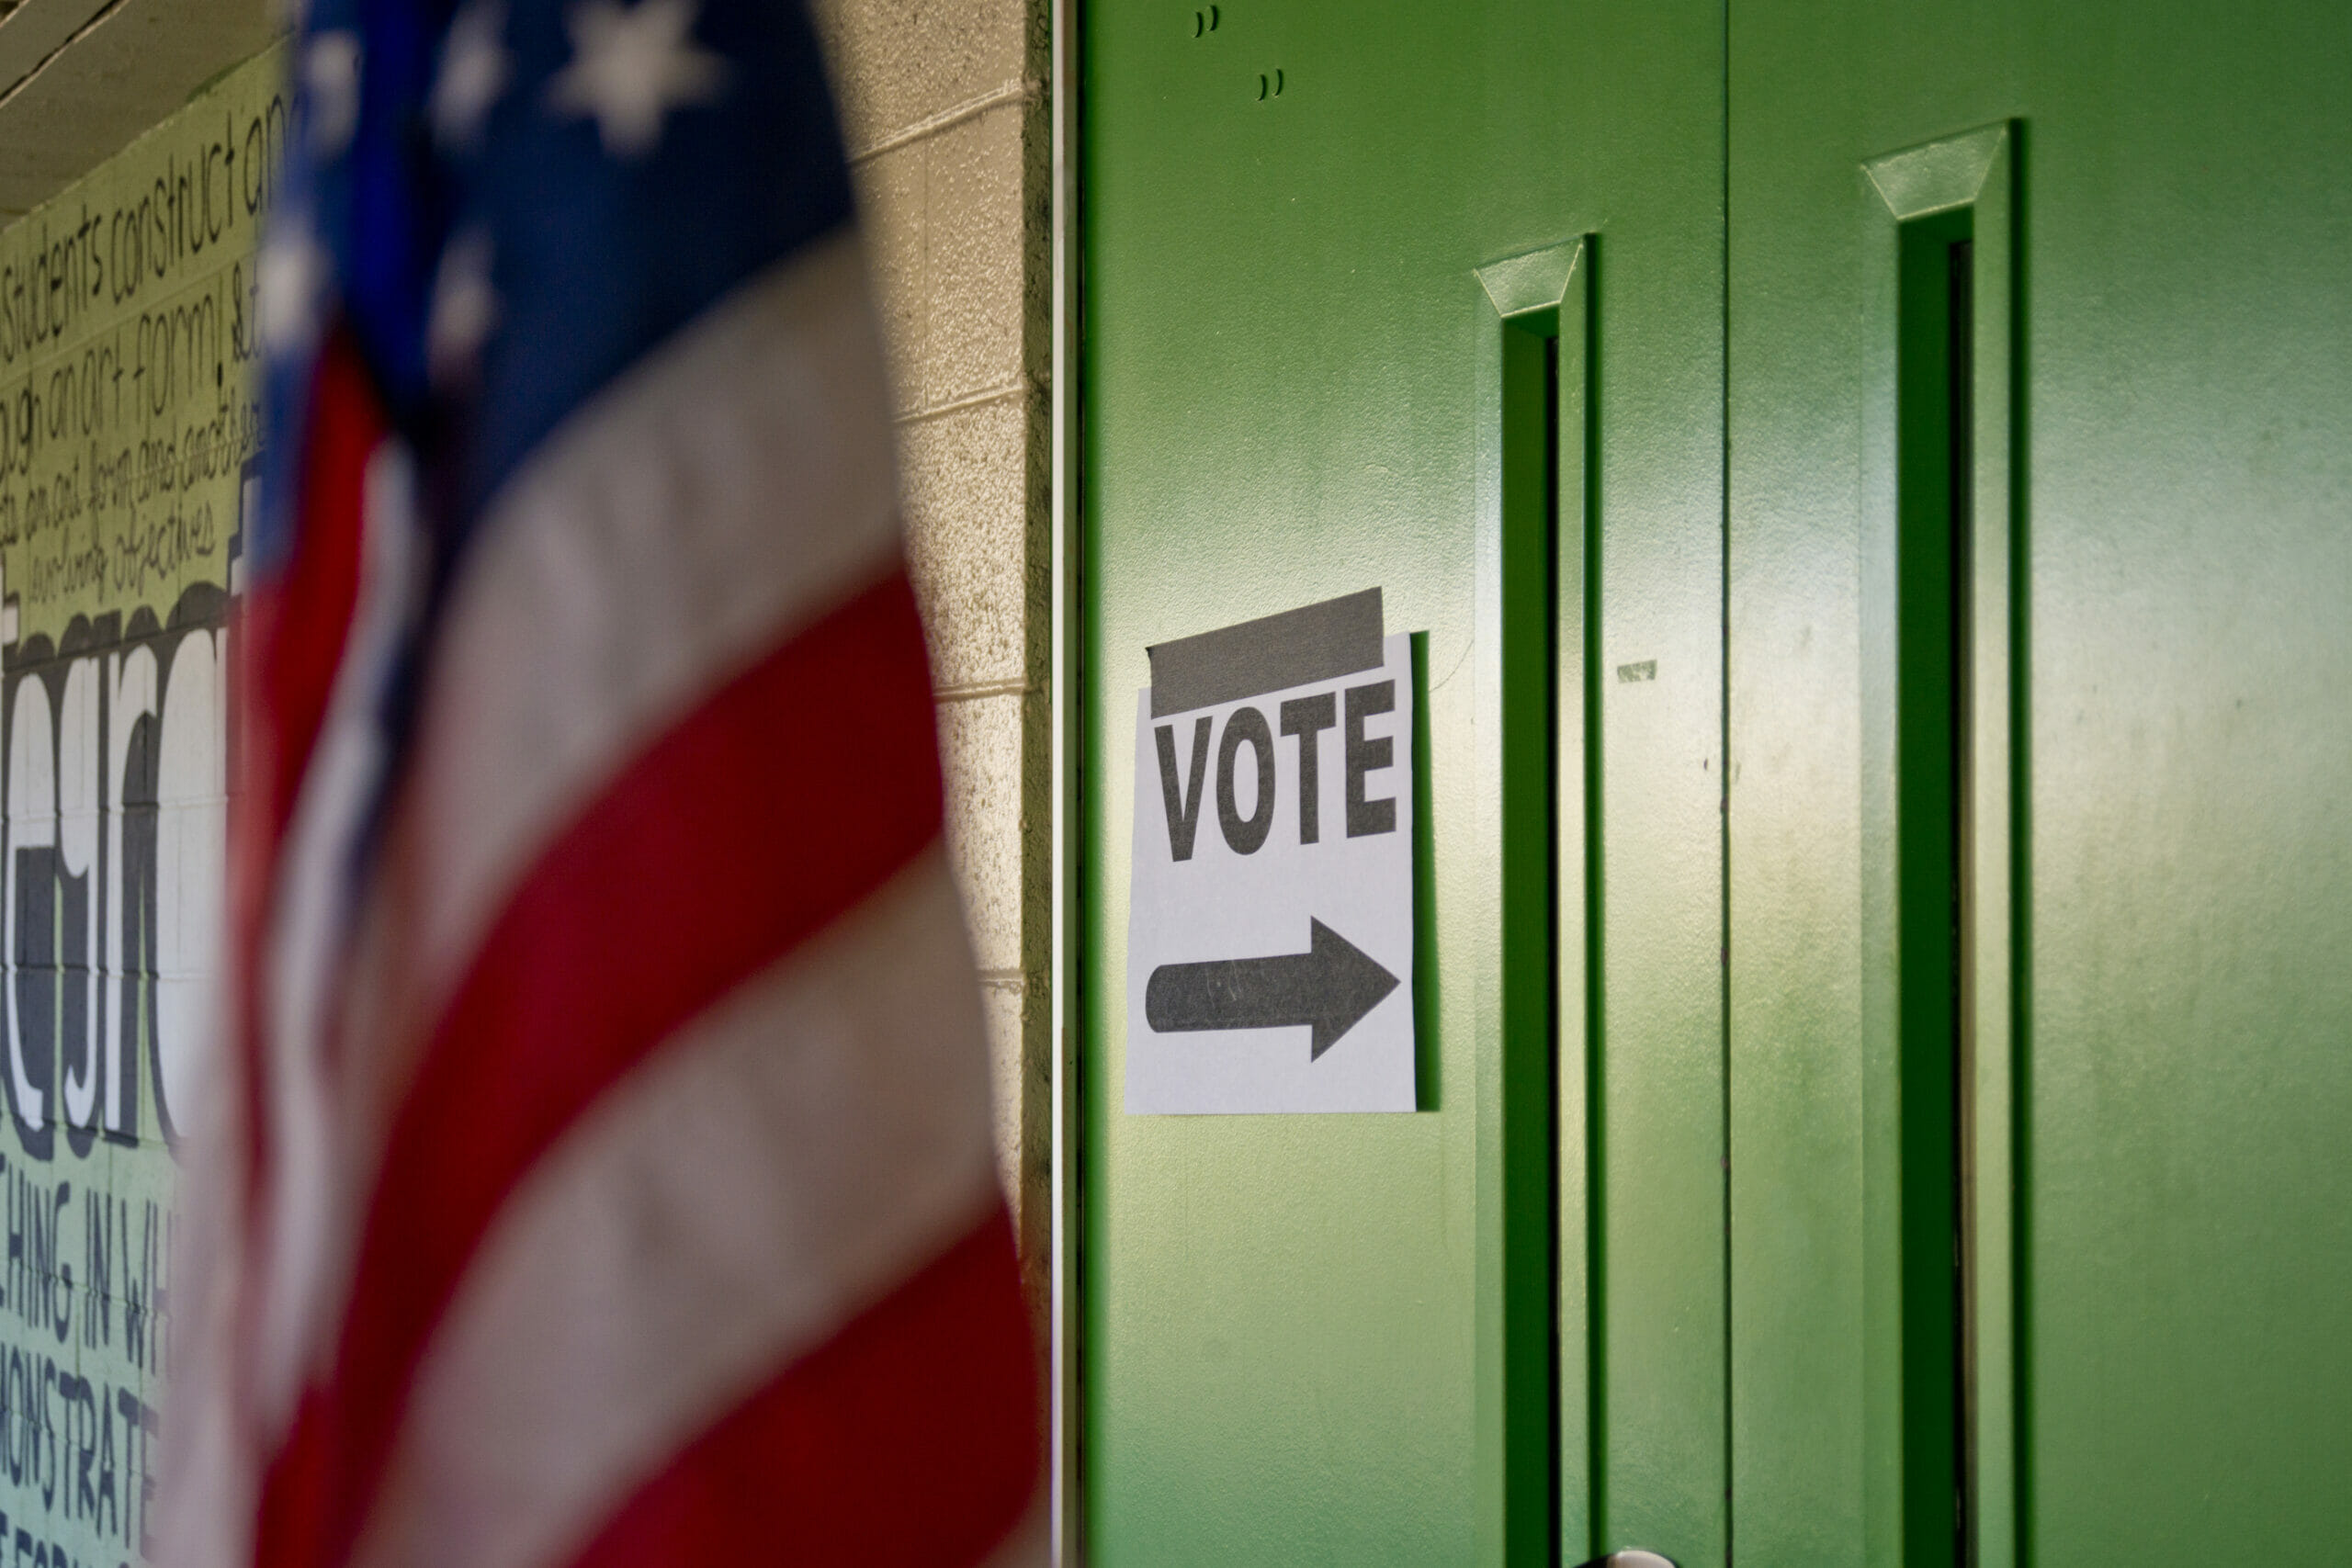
608 1174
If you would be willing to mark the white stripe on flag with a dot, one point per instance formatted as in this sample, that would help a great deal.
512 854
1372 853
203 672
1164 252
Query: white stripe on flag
729 489
779 1164
305 1236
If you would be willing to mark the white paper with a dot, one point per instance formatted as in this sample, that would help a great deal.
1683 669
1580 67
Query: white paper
1220 904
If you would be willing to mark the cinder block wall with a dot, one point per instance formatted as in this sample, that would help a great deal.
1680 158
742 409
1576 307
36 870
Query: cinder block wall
943 106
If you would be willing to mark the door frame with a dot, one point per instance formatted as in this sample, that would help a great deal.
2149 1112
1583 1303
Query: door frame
1066 1533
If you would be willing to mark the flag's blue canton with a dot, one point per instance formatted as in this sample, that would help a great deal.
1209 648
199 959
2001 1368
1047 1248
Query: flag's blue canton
382 206
600 226
601 256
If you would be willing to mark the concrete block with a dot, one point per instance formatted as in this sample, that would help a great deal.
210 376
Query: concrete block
1019 1022
980 747
945 219
966 478
974 260
1005 1008
891 206
897 62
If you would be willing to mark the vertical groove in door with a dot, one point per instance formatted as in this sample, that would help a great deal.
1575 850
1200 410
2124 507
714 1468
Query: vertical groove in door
1531 919
1960 332
1953 1410
1549 712
1933 726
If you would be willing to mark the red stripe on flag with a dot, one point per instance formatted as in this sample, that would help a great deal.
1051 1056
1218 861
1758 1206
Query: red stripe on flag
909 1439
289 638
300 619
789 796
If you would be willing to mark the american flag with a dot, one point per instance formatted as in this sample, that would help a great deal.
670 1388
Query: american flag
605 1173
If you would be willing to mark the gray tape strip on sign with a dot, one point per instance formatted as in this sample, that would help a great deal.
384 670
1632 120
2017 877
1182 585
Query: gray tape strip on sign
1314 642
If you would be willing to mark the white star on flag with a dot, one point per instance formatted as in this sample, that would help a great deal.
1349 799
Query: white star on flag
331 76
474 68
287 280
630 67
465 308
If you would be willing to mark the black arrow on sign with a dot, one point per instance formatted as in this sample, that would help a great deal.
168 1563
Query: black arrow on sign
1328 989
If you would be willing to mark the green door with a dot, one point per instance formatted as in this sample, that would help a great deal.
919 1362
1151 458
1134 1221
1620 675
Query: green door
1331 1338
1919 1145
2040 872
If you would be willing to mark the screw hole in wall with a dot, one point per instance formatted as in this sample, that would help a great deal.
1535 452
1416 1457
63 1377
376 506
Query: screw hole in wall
1204 21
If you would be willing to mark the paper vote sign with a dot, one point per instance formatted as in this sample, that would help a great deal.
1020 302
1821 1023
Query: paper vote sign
1269 936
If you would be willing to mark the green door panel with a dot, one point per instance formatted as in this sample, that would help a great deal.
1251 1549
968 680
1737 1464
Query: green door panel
2162 860
1870 488
1301 1339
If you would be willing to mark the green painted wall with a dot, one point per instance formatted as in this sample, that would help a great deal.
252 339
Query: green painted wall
127 427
